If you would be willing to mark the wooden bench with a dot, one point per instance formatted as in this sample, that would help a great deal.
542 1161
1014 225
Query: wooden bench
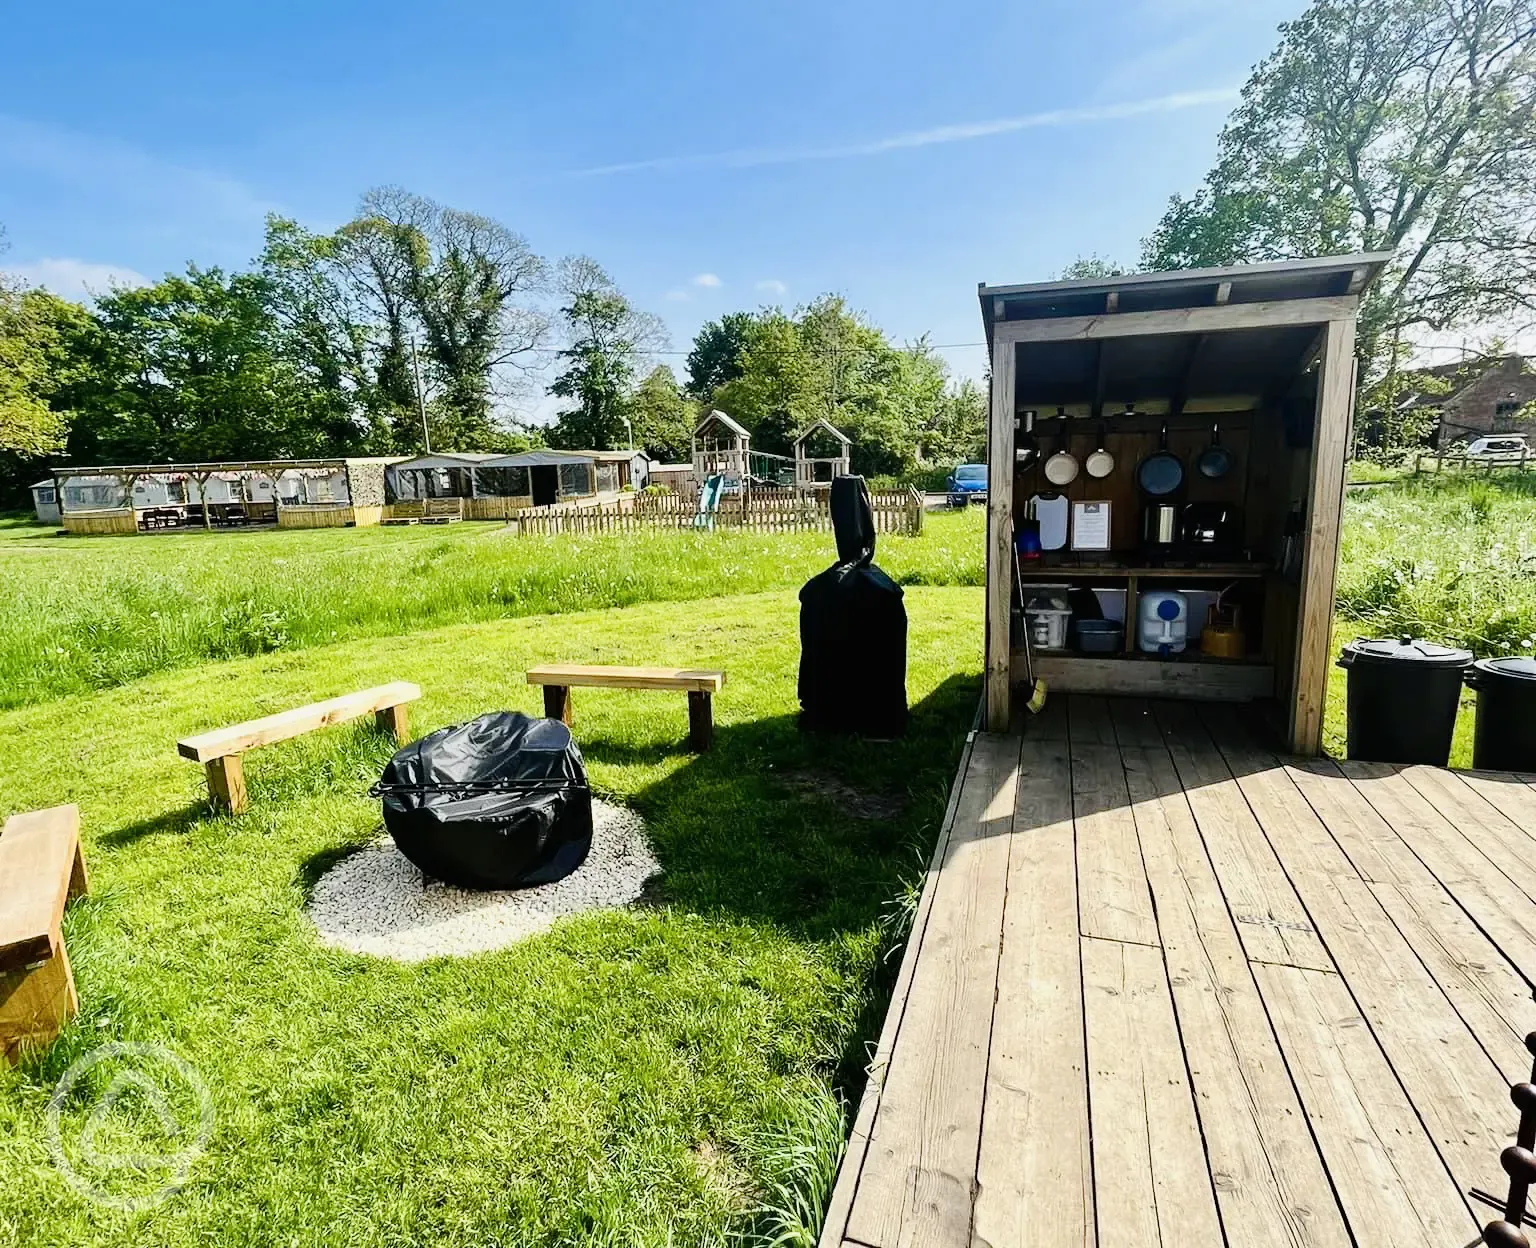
41 869
219 751
700 686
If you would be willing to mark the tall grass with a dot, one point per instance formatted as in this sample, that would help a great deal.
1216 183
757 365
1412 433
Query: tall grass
1453 560
83 613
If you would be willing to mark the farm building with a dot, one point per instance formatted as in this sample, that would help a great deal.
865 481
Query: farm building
293 493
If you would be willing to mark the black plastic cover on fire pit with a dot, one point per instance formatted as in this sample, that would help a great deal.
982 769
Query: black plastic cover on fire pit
499 802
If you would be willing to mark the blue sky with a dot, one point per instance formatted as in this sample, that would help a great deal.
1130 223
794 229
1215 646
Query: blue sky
712 156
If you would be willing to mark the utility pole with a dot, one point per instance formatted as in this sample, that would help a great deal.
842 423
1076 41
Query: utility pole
421 403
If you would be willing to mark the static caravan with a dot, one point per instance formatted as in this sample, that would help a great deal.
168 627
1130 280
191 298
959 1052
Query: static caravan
1166 453
45 502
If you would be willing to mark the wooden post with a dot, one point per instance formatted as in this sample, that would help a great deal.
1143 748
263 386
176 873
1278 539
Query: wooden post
1000 535
701 720
226 783
395 720
1320 549
557 703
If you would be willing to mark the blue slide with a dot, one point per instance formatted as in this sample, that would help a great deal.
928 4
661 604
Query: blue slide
709 501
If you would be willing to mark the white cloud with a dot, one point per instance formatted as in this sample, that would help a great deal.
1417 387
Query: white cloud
707 280
772 286
677 296
76 279
747 158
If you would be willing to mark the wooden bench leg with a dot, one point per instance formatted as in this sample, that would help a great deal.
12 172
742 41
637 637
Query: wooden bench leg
35 1004
557 703
226 783
395 720
701 720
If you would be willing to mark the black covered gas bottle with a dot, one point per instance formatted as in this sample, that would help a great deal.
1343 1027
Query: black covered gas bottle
853 631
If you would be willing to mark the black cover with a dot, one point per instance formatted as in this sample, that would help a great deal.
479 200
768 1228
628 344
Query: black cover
853 631
499 802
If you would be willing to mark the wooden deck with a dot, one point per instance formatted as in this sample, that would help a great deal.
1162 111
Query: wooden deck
1167 988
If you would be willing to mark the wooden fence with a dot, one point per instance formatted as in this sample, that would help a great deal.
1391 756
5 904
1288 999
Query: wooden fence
1523 462
761 511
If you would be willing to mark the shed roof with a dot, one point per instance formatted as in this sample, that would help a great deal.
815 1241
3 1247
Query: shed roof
543 457
446 459
235 465
719 417
1098 360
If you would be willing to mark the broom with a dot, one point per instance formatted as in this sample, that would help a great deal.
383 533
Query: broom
1036 702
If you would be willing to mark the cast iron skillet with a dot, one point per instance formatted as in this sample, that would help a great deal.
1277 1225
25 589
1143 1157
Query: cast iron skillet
1215 461
1161 473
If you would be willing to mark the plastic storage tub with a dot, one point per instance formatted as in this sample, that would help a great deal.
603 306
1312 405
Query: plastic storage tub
1505 736
1098 636
1403 697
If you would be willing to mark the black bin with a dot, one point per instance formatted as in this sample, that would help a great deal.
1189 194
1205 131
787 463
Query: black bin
1505 736
1403 697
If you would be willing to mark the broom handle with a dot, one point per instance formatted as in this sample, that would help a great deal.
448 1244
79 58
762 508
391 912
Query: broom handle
1029 657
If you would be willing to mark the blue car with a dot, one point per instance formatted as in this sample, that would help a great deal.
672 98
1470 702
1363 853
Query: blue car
967 484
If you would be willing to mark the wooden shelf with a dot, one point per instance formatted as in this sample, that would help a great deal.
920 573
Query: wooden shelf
1078 571
1145 675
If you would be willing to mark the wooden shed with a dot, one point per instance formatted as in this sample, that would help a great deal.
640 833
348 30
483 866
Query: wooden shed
1256 359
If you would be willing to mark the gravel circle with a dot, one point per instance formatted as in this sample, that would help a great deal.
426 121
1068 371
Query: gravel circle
378 902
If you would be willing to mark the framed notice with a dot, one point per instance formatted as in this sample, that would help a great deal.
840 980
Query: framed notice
1090 526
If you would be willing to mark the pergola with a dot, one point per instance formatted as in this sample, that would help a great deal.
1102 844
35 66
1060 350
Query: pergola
235 471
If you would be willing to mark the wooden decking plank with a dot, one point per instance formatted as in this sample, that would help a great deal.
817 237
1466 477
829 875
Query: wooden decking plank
1034 1174
1498 839
1113 901
1488 993
1271 920
1135 726
919 1176
1374 850
1271 1187
1508 793
1498 907
1050 724
1389 1177
835 1219
1151 1178
1088 719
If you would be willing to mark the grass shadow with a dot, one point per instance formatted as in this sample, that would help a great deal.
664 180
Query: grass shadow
176 822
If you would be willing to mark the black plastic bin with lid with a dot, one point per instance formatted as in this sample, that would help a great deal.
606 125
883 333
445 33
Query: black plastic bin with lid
1505 736
1403 697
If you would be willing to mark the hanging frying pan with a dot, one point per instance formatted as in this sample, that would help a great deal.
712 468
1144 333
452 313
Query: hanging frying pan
1061 468
1216 460
1161 473
1100 463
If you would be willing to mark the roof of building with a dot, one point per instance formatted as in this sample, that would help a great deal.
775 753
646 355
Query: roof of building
720 418
235 465
1099 361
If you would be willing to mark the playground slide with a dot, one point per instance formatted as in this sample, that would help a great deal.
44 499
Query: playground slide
709 501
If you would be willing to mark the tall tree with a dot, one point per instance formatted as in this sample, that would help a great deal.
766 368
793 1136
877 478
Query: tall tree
1397 125
607 339
36 367
663 417
716 355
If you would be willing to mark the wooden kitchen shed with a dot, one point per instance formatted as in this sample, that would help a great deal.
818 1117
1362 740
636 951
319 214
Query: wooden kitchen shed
1258 359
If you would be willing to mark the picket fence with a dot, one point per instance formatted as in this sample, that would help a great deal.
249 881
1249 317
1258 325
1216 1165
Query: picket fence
761 511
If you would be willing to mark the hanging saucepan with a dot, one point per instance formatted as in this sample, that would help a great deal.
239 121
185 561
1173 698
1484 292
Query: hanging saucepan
1100 463
1061 468
1161 473
1216 460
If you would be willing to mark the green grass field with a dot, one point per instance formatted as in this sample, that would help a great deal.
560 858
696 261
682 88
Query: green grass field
674 1074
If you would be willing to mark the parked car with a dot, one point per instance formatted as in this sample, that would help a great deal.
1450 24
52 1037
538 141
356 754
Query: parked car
967 484
1502 446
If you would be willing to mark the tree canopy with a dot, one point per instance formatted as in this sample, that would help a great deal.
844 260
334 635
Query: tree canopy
1406 126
